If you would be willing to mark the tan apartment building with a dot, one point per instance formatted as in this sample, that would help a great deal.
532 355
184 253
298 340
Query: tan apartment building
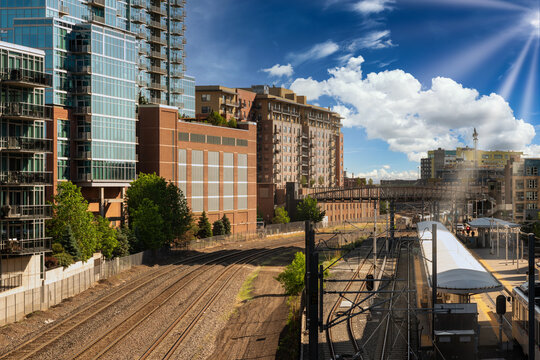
228 102
524 182
214 166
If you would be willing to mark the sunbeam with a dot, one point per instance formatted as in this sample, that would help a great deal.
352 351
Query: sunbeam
475 55
492 4
511 78
529 94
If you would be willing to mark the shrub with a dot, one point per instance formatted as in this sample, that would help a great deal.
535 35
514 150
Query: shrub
64 259
292 278
205 228
226 224
57 248
218 228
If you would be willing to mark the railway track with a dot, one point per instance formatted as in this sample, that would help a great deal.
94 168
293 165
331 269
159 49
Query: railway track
348 348
52 334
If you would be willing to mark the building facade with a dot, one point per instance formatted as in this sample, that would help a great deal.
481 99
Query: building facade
105 57
214 166
525 179
23 179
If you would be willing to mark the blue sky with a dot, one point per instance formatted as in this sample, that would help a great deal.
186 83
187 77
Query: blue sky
407 75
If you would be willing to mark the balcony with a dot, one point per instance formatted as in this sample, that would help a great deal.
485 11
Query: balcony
156 86
82 110
98 3
94 18
176 90
26 78
83 154
25 211
157 40
81 90
138 19
141 33
26 144
177 45
157 70
83 70
177 60
25 178
24 246
232 103
158 101
84 136
156 25
24 111
143 66
63 10
157 55
81 48
138 4
157 10
177 3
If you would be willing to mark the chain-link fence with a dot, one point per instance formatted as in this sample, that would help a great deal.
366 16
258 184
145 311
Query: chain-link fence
14 307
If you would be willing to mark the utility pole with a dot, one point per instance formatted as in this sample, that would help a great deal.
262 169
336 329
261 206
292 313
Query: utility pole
532 291
433 278
312 259
375 241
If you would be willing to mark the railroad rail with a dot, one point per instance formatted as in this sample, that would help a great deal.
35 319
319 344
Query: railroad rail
50 335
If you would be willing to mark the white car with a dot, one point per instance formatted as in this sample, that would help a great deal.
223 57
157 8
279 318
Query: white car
460 227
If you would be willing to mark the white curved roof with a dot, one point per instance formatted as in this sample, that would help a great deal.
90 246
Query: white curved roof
458 271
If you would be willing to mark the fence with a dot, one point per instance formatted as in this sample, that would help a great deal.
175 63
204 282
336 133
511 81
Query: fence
15 306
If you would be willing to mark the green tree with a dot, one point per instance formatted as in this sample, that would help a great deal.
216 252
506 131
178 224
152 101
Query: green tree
147 225
218 228
64 259
70 208
303 181
107 238
311 182
125 239
69 244
292 278
226 224
321 180
281 216
171 203
360 181
216 119
383 208
205 228
370 182
232 123
308 209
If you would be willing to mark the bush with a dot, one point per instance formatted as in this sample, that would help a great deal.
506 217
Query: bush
281 216
124 237
64 259
226 224
292 278
51 262
232 123
57 248
218 228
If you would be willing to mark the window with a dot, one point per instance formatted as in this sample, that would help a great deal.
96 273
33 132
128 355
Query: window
531 206
199 138
532 183
205 109
205 97
532 195
215 140
182 136
485 156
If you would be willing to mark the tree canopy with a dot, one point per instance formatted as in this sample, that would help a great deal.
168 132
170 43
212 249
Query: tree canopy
168 201
205 228
308 209
281 216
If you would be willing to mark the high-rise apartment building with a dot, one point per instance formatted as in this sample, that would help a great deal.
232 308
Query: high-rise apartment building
524 182
23 178
106 57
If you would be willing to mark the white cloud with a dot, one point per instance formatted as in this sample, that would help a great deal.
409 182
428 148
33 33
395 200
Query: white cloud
280 70
384 173
318 51
393 106
373 40
372 6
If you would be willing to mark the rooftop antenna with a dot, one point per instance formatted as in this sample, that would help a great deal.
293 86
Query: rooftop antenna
475 139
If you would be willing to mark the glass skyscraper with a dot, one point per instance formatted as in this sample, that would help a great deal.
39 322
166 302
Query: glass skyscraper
105 57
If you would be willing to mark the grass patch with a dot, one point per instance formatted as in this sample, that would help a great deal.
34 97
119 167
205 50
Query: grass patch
247 287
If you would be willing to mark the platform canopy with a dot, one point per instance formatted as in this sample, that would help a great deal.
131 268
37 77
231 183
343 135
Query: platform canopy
486 223
458 271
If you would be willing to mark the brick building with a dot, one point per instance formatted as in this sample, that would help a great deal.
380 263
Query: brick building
524 183
228 102
214 166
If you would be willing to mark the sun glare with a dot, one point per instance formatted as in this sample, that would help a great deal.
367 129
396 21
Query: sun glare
533 20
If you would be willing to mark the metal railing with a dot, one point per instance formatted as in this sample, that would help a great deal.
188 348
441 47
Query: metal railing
26 178
24 246
37 78
26 144
26 211
21 110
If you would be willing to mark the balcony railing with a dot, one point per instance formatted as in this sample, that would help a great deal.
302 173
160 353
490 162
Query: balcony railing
10 282
82 90
80 48
157 86
26 78
94 18
25 211
25 178
158 101
157 54
63 10
84 135
156 24
157 69
138 3
157 40
177 90
83 110
100 3
26 144
24 246
177 3
25 111
157 10
138 19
